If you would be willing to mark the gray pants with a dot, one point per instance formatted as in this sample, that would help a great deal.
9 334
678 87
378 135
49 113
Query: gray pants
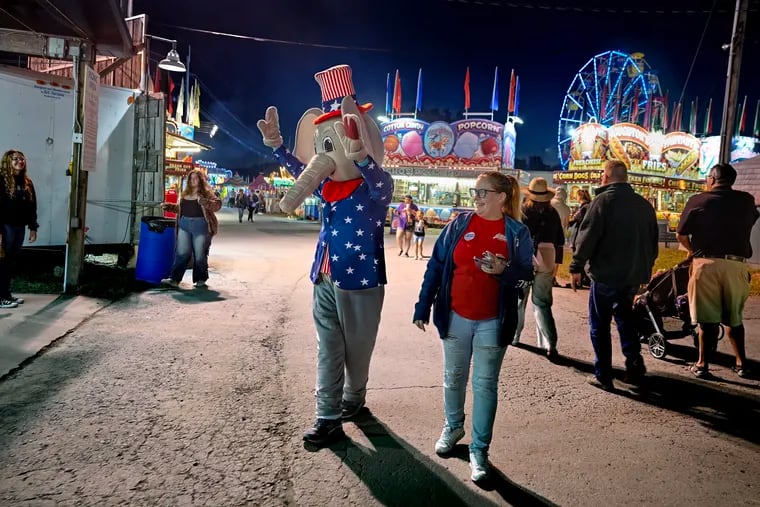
347 323
541 297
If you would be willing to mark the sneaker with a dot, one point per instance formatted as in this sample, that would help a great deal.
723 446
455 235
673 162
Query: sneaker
324 432
741 371
18 301
350 410
200 284
606 385
170 282
8 303
449 438
478 465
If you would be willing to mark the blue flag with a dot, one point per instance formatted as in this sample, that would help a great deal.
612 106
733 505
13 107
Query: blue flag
388 95
495 93
517 95
419 91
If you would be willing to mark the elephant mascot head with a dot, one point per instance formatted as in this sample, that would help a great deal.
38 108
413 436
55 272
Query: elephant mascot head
328 137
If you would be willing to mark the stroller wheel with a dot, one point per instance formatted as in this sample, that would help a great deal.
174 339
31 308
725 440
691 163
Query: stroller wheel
658 347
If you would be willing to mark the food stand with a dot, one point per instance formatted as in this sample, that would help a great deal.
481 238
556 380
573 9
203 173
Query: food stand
663 168
437 163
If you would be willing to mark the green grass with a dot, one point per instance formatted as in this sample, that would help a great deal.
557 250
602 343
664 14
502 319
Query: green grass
667 258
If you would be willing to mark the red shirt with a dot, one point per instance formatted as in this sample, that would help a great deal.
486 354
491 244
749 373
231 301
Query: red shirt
475 294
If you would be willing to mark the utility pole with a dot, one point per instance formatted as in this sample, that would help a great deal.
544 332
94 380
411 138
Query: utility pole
732 80
84 58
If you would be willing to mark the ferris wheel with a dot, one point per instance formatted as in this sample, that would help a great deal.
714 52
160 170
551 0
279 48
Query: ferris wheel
612 87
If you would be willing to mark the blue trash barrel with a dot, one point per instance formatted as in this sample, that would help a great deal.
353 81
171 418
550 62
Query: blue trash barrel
155 252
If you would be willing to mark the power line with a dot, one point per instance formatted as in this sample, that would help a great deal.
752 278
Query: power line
273 41
696 54
593 10
241 142
221 124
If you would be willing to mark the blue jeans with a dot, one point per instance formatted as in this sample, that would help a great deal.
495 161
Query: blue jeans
193 239
13 239
604 304
479 340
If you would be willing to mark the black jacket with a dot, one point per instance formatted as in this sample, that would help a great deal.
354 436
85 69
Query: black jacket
618 237
22 208
545 226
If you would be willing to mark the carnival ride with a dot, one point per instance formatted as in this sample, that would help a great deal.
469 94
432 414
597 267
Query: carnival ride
612 87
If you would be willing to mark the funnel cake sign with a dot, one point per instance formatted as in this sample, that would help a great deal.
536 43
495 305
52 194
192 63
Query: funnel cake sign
471 142
651 153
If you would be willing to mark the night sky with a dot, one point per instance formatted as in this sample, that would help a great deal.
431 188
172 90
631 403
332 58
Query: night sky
545 41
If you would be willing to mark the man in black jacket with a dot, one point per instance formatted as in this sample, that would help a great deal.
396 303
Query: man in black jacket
618 239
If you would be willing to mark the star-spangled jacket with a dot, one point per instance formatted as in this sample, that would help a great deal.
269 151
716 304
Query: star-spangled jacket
352 228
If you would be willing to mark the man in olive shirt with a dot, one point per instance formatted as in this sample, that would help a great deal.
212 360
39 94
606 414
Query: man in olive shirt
715 228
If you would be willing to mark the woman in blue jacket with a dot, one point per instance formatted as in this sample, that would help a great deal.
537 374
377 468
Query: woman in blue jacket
478 264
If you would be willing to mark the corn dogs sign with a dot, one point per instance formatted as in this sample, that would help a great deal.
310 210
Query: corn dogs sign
652 153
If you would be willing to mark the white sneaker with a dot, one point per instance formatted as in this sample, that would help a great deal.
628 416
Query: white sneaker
479 465
18 301
170 282
449 438
200 284
7 303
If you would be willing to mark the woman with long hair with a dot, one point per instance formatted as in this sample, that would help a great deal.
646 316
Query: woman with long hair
548 235
18 210
477 266
576 219
196 225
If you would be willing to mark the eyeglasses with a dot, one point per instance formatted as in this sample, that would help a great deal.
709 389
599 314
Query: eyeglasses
18 159
481 192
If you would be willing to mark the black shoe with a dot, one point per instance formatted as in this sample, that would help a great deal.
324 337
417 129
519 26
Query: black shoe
324 432
635 371
350 410
605 384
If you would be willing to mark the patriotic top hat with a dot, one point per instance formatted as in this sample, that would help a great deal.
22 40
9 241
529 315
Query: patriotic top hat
336 84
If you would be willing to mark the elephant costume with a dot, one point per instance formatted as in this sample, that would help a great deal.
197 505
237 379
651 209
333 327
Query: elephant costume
343 147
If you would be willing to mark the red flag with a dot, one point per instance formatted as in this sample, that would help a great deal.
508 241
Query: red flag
648 112
467 89
665 113
157 82
743 121
604 105
635 106
708 118
397 94
512 93
169 98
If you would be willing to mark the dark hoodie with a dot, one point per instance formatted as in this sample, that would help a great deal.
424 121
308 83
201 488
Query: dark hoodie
22 208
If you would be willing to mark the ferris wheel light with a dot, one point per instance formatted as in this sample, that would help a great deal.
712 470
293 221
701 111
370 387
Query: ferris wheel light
571 131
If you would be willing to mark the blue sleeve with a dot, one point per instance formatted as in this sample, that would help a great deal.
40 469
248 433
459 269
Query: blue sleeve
289 161
431 282
379 181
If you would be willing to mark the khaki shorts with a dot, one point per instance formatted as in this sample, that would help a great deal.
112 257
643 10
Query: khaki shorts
718 289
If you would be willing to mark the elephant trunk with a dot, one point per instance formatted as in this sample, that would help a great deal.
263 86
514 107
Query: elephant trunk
319 167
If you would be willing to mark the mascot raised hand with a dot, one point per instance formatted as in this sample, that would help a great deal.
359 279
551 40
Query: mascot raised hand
337 155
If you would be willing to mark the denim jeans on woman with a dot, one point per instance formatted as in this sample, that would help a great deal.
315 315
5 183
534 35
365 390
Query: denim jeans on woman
476 339
13 239
193 239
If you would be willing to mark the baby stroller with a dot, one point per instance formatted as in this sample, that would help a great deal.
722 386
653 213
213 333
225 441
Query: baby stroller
665 298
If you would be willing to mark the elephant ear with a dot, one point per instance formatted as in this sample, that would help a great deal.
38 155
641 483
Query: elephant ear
373 139
304 148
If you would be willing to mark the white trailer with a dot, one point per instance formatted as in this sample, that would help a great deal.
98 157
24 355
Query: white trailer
37 119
